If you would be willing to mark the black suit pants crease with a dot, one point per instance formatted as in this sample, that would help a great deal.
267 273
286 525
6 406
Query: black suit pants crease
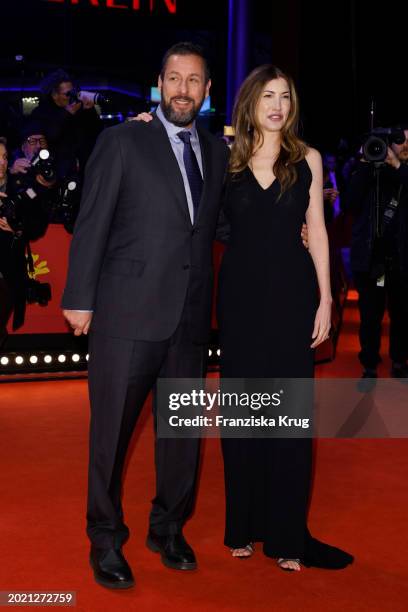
122 372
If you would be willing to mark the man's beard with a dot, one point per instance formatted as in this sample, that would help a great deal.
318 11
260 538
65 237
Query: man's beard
180 118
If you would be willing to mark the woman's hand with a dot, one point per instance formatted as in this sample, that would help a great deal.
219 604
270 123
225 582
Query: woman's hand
146 117
4 226
322 323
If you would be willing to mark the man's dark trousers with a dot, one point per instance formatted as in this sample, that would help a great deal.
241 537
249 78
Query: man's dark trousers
372 302
121 374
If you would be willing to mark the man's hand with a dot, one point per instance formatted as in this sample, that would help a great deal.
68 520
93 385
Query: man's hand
21 165
74 107
87 98
305 236
146 117
79 321
392 159
42 181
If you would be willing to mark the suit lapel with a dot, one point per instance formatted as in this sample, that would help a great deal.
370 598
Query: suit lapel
166 160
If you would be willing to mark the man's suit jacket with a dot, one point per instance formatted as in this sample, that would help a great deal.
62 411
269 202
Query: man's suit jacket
135 256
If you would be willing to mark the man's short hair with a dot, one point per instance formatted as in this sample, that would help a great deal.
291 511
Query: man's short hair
186 48
52 81
3 141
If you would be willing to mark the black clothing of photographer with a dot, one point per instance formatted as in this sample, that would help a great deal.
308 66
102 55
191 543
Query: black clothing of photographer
71 125
27 169
14 238
378 199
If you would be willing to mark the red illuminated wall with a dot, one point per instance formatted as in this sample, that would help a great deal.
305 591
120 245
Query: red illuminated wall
51 262
50 255
135 5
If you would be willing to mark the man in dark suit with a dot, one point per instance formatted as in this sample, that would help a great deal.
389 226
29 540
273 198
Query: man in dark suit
140 278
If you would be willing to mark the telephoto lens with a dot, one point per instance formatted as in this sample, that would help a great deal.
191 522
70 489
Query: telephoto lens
377 142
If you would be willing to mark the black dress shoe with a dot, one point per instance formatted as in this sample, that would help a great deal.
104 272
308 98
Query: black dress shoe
319 554
110 568
174 550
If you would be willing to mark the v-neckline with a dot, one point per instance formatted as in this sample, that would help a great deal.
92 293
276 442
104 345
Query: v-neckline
259 184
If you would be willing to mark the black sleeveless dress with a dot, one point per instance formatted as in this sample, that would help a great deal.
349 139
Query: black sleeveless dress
267 301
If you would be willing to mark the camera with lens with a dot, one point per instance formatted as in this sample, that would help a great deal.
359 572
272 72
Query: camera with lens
43 165
12 208
77 95
38 293
376 143
69 197
26 189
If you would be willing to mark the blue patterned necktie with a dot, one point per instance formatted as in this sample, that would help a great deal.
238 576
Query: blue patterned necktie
192 170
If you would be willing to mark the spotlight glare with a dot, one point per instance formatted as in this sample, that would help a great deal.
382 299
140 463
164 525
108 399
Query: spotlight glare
75 357
48 359
19 360
209 352
33 359
218 352
4 360
62 358
87 357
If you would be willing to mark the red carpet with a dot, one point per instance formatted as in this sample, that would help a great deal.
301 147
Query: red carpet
360 501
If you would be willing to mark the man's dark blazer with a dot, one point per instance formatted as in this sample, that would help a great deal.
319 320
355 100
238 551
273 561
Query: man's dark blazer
134 252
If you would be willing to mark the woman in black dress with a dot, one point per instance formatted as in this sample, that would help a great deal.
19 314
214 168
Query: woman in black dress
270 315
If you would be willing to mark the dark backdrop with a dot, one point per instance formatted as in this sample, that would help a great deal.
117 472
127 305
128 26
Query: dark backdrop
342 53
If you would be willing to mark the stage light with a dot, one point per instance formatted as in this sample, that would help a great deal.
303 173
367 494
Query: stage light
19 360
4 360
75 357
218 352
87 357
209 352
48 359
62 358
33 359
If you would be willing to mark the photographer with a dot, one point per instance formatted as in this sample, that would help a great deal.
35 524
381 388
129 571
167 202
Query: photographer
15 232
378 199
70 122
23 169
33 140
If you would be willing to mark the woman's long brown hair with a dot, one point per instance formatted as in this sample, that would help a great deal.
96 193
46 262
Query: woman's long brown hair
248 134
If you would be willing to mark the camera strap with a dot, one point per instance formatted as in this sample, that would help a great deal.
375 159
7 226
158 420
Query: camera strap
30 261
390 209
